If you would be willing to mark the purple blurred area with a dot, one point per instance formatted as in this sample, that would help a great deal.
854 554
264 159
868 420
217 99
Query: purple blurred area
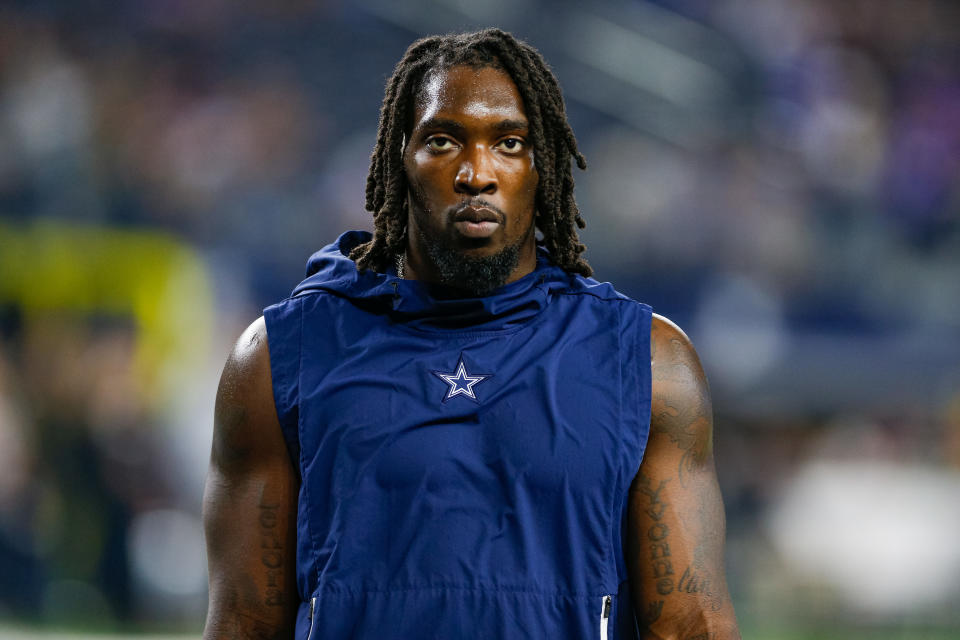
780 177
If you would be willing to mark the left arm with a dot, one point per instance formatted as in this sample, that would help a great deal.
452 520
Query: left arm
676 520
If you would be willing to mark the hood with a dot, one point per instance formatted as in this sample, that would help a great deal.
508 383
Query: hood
423 306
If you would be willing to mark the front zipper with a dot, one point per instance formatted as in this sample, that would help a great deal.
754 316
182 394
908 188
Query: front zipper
313 607
605 616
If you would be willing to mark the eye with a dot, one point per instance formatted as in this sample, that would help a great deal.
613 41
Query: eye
511 145
439 143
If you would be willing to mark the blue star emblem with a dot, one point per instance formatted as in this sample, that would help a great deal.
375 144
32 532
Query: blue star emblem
461 383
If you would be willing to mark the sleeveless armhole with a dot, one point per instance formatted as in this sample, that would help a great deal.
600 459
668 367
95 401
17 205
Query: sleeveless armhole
637 390
638 375
644 361
284 322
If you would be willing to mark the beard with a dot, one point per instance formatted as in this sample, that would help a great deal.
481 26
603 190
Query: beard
475 276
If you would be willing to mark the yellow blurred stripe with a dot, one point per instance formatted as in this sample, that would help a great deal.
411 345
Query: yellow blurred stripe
158 281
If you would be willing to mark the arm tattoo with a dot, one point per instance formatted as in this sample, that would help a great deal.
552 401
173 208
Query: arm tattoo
693 582
657 536
688 423
271 554
654 609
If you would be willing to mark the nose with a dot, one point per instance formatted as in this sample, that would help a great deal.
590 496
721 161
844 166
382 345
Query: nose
476 174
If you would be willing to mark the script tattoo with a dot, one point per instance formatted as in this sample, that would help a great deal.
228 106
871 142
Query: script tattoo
271 553
693 582
657 536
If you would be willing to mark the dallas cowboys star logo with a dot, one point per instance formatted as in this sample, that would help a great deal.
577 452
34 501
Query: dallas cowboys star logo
461 383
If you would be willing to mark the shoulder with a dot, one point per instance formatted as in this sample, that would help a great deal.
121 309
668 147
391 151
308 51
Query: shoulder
680 403
244 417
248 361
672 356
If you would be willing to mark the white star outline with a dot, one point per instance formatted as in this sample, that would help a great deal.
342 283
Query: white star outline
461 383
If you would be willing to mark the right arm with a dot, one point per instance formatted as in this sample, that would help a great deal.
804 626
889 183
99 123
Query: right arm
250 504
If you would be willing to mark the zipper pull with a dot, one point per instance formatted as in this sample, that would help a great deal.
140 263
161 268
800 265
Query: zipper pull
313 607
605 616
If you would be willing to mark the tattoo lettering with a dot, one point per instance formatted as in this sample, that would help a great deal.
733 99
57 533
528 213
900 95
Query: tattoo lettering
271 553
665 586
654 609
658 532
692 582
657 506
657 536
662 568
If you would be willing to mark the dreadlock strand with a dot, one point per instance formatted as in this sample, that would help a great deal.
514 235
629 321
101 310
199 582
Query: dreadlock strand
386 173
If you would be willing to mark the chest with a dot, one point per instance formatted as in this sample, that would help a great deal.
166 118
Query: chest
412 410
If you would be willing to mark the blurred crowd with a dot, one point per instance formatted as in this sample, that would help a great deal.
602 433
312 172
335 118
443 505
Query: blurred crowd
782 177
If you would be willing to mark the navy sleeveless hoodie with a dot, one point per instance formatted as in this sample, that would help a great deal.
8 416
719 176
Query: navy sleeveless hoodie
464 463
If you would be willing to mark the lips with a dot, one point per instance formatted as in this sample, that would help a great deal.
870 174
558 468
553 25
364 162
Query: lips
476 221
471 213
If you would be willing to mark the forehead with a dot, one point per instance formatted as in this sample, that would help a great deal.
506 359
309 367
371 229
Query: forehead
471 92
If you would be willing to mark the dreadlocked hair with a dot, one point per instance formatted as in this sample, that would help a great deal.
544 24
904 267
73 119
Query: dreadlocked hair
554 144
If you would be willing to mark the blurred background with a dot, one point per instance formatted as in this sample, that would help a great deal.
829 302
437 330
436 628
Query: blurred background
780 177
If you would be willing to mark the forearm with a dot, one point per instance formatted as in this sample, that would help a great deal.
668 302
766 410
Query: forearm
235 625
731 633
677 556
691 623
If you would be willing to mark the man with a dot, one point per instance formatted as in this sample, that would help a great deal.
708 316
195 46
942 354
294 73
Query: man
440 434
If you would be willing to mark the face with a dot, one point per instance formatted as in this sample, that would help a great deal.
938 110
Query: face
472 181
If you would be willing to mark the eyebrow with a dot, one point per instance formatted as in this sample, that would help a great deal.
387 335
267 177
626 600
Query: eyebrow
456 127
442 123
512 125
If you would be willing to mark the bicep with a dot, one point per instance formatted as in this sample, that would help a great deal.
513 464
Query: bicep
250 504
676 518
